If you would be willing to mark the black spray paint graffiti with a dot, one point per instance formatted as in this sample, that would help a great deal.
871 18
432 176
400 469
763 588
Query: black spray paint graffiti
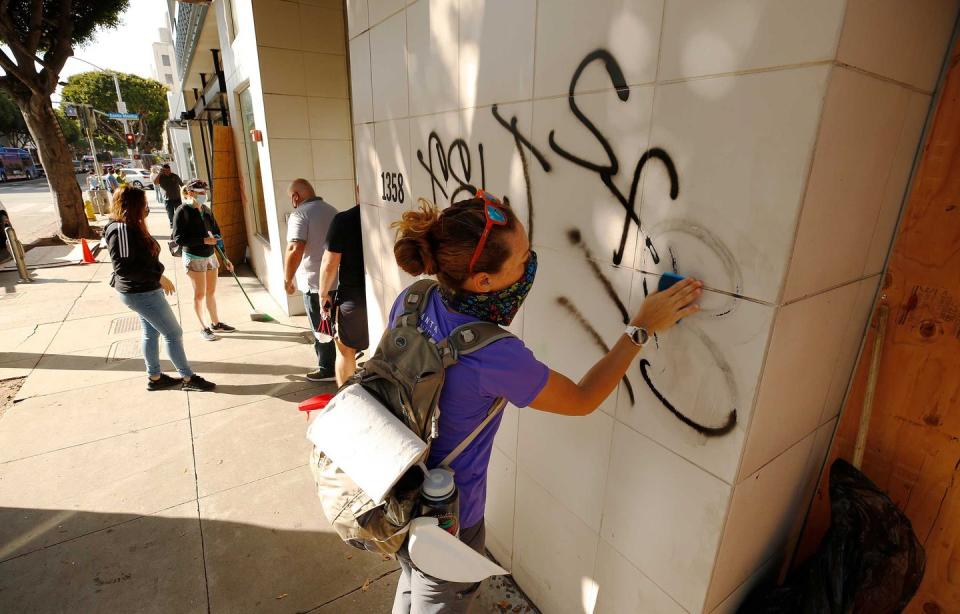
458 151
607 171
442 169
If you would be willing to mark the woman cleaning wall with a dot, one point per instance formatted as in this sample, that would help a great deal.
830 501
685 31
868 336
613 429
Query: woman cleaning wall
481 256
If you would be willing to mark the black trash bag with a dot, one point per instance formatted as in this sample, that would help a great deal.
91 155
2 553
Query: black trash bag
869 562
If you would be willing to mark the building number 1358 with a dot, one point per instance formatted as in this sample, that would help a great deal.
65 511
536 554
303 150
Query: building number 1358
392 187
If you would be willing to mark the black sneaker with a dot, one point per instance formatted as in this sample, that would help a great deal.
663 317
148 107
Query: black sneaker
322 375
221 327
207 335
164 381
198 384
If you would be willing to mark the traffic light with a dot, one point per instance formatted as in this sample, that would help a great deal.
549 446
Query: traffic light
130 139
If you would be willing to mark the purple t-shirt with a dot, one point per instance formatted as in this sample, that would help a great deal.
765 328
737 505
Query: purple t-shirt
505 368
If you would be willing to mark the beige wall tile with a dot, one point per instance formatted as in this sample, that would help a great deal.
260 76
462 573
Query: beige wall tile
286 116
861 126
325 75
332 160
905 41
329 118
282 71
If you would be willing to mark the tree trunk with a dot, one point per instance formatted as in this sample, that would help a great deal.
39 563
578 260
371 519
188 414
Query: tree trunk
58 165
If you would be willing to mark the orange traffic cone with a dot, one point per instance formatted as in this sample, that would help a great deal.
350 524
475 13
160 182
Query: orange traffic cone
87 254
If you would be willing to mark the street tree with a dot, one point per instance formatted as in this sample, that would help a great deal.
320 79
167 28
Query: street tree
146 97
39 36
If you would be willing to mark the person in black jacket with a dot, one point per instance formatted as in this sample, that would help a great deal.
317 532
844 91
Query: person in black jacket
196 230
138 278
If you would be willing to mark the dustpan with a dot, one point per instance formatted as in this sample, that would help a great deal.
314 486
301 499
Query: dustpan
366 441
437 553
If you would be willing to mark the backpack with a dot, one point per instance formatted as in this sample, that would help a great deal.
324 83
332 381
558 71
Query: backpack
406 374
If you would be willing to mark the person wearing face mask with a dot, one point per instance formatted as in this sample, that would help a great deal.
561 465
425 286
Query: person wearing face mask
197 232
307 228
479 252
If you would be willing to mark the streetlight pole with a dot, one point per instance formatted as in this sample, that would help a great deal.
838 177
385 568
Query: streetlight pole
121 105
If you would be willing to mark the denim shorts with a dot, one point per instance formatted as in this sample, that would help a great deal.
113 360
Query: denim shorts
200 265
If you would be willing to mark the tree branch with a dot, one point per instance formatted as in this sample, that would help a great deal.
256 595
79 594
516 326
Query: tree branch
56 56
15 71
11 37
36 26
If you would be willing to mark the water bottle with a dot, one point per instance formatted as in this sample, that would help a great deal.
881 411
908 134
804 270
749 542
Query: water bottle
439 498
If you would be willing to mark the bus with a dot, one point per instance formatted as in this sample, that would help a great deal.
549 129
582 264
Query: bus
16 163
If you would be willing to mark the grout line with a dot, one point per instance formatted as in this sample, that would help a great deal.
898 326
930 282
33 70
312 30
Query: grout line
260 479
196 487
83 443
100 530
600 538
350 592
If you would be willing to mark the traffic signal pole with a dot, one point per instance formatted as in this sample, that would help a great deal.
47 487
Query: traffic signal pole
122 108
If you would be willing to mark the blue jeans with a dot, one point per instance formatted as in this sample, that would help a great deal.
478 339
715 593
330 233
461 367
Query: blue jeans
326 352
156 318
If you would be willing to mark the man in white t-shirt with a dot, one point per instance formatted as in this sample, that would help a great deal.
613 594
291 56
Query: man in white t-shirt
307 229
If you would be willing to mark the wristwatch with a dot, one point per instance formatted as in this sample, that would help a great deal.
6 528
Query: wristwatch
637 334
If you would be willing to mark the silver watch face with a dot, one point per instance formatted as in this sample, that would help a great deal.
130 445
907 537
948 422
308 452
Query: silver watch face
639 335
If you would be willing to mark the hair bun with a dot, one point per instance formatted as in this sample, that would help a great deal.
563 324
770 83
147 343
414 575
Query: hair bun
413 249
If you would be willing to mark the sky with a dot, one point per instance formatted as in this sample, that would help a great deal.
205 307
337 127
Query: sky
128 48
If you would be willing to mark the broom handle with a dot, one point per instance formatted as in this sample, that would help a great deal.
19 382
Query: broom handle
860 446
240 285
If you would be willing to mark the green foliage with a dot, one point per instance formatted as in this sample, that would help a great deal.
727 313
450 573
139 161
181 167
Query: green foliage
144 96
87 16
12 125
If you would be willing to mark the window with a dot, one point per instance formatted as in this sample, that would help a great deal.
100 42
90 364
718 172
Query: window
165 59
254 178
169 78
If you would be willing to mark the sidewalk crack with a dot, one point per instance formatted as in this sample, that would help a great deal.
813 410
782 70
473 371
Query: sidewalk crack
367 583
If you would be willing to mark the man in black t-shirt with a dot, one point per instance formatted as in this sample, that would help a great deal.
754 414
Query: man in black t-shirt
344 254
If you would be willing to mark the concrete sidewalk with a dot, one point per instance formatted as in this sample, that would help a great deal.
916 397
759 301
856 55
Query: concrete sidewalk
115 499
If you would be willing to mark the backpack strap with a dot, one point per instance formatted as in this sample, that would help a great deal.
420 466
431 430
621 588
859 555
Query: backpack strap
463 340
495 409
468 338
414 301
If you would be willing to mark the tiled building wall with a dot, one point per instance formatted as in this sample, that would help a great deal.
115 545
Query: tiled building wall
291 55
761 146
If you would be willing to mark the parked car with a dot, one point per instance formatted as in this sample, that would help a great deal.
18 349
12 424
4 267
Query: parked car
137 177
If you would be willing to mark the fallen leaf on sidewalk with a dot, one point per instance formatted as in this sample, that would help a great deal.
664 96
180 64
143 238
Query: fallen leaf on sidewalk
366 585
281 595
349 556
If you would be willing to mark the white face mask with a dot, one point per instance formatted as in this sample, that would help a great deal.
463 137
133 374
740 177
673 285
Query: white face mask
200 198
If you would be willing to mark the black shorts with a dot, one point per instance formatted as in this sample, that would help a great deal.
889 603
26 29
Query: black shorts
352 318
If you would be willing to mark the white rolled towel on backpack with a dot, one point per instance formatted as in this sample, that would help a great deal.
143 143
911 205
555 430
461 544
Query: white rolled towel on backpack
366 441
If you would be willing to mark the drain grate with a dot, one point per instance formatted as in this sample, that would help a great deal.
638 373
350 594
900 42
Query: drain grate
126 324
124 350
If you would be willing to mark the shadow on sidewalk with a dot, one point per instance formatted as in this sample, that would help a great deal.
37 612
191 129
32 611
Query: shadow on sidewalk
129 563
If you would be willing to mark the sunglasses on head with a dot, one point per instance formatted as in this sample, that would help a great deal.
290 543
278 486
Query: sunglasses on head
493 211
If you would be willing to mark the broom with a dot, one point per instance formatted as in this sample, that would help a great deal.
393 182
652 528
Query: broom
256 316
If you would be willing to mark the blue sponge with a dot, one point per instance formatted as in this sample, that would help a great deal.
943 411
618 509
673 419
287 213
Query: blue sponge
667 280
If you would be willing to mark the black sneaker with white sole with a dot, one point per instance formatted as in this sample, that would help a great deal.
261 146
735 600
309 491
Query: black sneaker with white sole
322 375
198 384
222 327
163 382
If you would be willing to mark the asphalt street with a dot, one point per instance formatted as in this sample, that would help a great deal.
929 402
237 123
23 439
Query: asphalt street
30 207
